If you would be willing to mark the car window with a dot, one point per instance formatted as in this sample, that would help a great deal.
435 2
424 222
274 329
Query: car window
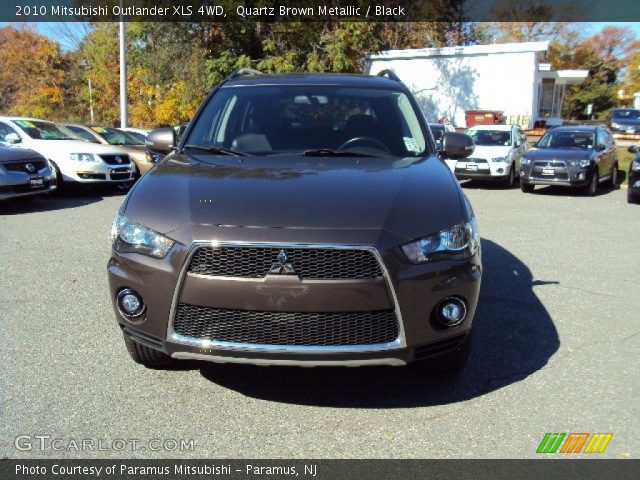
113 136
567 139
83 134
40 130
490 137
264 120
626 114
4 131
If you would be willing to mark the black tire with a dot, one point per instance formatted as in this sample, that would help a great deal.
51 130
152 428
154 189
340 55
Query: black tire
592 187
526 187
615 177
510 180
448 363
146 356
60 183
632 198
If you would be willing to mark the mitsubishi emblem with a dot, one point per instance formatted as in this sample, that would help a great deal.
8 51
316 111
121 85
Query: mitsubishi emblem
282 267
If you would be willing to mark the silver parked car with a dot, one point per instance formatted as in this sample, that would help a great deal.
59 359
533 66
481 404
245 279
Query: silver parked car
24 173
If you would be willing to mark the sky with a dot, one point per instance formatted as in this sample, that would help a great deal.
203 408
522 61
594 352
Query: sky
60 31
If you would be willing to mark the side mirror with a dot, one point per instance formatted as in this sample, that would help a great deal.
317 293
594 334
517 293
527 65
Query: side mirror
632 149
516 144
161 140
601 147
457 146
12 138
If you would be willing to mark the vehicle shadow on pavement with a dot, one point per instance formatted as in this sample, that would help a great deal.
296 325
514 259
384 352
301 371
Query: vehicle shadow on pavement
514 336
70 197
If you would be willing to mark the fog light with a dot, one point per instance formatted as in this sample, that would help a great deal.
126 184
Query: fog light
451 311
130 303
580 176
501 171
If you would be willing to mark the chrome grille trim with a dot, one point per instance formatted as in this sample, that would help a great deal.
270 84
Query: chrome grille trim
308 263
172 336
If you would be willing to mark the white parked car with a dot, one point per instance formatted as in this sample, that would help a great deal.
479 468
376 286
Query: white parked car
499 149
74 160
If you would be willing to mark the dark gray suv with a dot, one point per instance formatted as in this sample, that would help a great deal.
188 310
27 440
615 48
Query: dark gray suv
300 220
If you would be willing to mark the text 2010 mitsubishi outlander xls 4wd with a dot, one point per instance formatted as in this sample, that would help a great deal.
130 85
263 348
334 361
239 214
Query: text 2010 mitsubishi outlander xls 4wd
301 220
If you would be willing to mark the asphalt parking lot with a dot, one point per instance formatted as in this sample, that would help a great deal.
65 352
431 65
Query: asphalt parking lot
556 349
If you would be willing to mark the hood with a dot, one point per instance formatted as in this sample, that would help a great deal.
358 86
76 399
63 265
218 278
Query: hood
16 154
486 151
409 197
558 154
55 147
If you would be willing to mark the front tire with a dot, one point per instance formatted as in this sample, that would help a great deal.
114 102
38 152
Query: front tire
526 187
592 187
448 363
615 175
146 356
510 180
632 198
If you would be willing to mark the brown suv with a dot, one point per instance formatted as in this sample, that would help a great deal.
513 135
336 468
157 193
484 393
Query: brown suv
300 220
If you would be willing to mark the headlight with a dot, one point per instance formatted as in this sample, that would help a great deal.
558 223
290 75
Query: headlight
153 157
525 161
499 159
83 157
459 241
616 125
580 163
129 236
635 166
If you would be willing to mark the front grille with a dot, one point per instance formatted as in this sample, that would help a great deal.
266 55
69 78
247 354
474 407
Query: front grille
113 159
22 166
549 163
120 176
308 263
559 170
476 160
286 328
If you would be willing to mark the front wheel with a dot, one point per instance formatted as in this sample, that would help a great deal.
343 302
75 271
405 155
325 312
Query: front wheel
448 363
632 198
615 177
592 187
146 356
526 187
510 180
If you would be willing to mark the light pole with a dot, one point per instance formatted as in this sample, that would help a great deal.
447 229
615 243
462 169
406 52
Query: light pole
123 74
90 102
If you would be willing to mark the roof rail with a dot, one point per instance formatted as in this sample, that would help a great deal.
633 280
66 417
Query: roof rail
244 71
389 74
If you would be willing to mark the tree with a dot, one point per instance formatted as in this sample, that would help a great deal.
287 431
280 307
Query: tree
32 74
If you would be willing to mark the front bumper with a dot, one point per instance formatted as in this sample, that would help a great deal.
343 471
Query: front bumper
18 184
413 290
97 172
633 180
481 171
561 175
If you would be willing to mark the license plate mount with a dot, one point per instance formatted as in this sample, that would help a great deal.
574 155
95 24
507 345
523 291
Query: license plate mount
36 182
548 171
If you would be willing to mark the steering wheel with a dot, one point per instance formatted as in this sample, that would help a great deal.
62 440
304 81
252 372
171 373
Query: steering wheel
365 142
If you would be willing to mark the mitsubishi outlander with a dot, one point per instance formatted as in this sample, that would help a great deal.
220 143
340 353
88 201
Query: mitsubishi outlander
301 219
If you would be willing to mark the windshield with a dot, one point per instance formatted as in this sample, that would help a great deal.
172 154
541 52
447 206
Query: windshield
45 130
117 137
492 138
580 140
83 134
626 114
269 120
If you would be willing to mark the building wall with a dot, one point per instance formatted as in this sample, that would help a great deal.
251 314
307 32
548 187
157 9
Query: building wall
446 86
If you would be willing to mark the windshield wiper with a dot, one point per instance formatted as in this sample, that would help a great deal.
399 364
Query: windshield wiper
218 150
328 152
